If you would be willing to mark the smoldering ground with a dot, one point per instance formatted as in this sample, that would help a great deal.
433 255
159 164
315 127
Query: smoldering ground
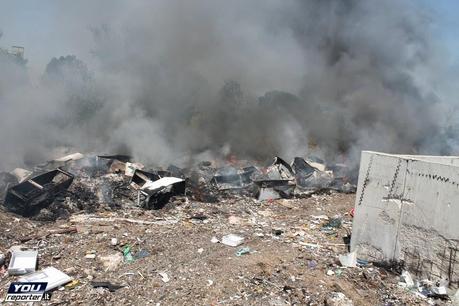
178 81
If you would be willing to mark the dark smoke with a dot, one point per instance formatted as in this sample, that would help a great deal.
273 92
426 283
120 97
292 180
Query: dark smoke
179 81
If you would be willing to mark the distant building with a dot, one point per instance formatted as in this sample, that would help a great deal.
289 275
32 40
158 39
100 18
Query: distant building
14 51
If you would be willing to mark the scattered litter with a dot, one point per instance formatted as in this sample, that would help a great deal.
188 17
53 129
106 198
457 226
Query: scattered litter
104 284
330 273
320 217
310 245
348 260
22 262
333 223
428 289
214 240
114 241
338 272
440 291
331 226
50 275
352 212
407 279
200 250
164 277
141 254
243 251
232 240
199 218
312 264
72 285
127 254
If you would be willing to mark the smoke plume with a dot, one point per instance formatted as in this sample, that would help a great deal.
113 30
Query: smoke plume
178 81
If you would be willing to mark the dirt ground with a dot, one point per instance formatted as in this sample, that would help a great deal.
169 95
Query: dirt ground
291 260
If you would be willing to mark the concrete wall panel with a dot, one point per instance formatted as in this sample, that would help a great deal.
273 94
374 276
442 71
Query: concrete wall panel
407 208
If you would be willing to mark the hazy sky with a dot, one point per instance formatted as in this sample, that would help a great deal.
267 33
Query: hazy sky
51 28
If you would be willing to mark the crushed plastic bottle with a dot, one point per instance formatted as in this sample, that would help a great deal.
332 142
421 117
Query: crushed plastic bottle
128 254
243 251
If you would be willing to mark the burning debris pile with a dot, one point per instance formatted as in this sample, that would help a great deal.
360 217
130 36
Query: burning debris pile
78 182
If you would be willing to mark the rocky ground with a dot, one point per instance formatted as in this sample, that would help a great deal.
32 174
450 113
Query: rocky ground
292 259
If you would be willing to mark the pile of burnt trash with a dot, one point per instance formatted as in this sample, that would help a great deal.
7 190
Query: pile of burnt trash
88 182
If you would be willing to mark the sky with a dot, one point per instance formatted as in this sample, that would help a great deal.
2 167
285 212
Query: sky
446 13
48 29
52 28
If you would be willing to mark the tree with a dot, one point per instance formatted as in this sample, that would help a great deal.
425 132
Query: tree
68 69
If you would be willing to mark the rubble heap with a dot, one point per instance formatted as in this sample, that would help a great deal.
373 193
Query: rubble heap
77 182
